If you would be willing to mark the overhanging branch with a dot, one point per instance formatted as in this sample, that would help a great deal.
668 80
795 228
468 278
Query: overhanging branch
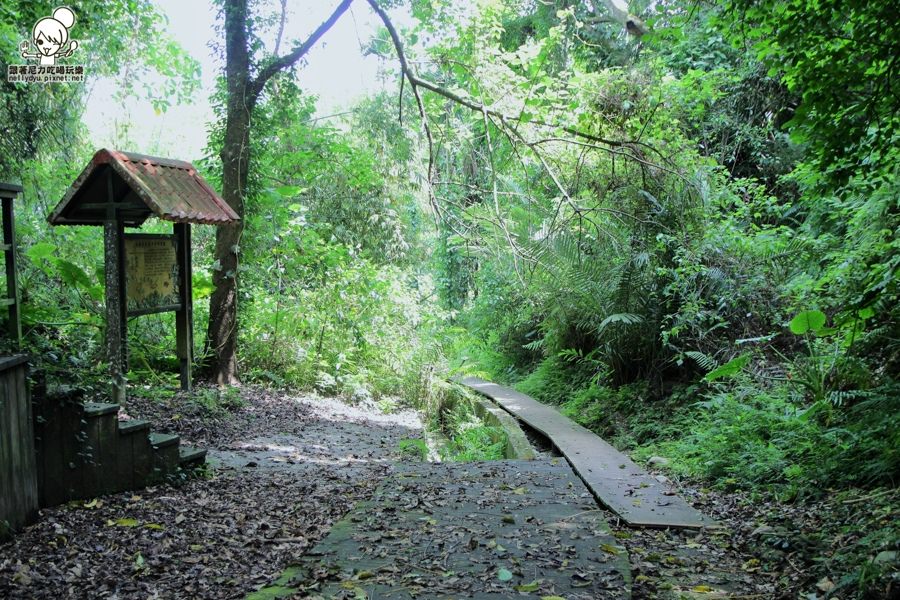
406 71
417 82
630 149
618 10
283 62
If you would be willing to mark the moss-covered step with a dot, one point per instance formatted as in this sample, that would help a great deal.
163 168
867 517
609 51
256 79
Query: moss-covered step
166 457
191 458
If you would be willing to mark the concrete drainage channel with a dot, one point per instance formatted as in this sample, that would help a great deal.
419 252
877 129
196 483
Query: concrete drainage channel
522 442
518 446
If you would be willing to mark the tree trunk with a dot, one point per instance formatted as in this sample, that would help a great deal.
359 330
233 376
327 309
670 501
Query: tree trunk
223 320
221 336
243 93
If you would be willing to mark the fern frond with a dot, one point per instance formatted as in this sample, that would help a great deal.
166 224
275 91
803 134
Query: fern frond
623 318
704 361
535 345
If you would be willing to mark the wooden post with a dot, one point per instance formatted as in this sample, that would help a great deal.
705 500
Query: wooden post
116 320
18 467
123 292
184 317
12 287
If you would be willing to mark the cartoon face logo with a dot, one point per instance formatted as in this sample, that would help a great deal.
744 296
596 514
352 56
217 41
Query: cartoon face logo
50 36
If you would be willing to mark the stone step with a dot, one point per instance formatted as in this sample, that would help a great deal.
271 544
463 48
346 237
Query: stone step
101 428
84 451
163 440
134 458
99 409
190 457
133 426
166 456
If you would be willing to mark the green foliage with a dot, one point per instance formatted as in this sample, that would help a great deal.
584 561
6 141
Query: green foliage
840 58
620 414
707 271
729 369
217 401
829 374
122 39
748 438
868 552
451 414
656 297
413 448
806 321
331 296
554 380
477 443
361 326
44 147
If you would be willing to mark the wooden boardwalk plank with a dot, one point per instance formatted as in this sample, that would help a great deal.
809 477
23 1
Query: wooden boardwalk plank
617 482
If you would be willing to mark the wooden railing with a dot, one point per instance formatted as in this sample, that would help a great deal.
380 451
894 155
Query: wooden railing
18 468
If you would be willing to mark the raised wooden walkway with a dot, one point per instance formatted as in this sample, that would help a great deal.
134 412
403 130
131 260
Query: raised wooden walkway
616 481
488 530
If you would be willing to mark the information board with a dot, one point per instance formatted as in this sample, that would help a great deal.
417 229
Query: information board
151 274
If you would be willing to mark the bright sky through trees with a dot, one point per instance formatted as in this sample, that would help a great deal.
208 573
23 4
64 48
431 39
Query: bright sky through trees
336 71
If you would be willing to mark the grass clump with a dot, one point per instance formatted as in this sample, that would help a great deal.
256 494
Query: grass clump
216 400
764 440
476 443
414 449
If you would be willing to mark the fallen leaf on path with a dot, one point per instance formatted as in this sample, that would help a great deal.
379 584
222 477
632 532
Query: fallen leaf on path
529 587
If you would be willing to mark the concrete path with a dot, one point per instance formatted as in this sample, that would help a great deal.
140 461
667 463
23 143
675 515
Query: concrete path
490 530
620 484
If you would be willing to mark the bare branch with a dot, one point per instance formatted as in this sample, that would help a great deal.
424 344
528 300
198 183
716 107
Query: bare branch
618 10
628 155
404 66
509 239
280 27
283 62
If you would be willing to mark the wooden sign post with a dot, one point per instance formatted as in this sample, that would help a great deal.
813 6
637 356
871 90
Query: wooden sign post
157 279
184 316
147 274
116 318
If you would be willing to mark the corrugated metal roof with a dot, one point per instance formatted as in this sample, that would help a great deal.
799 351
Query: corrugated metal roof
170 189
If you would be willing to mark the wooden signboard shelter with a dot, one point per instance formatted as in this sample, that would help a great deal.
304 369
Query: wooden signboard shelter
144 274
